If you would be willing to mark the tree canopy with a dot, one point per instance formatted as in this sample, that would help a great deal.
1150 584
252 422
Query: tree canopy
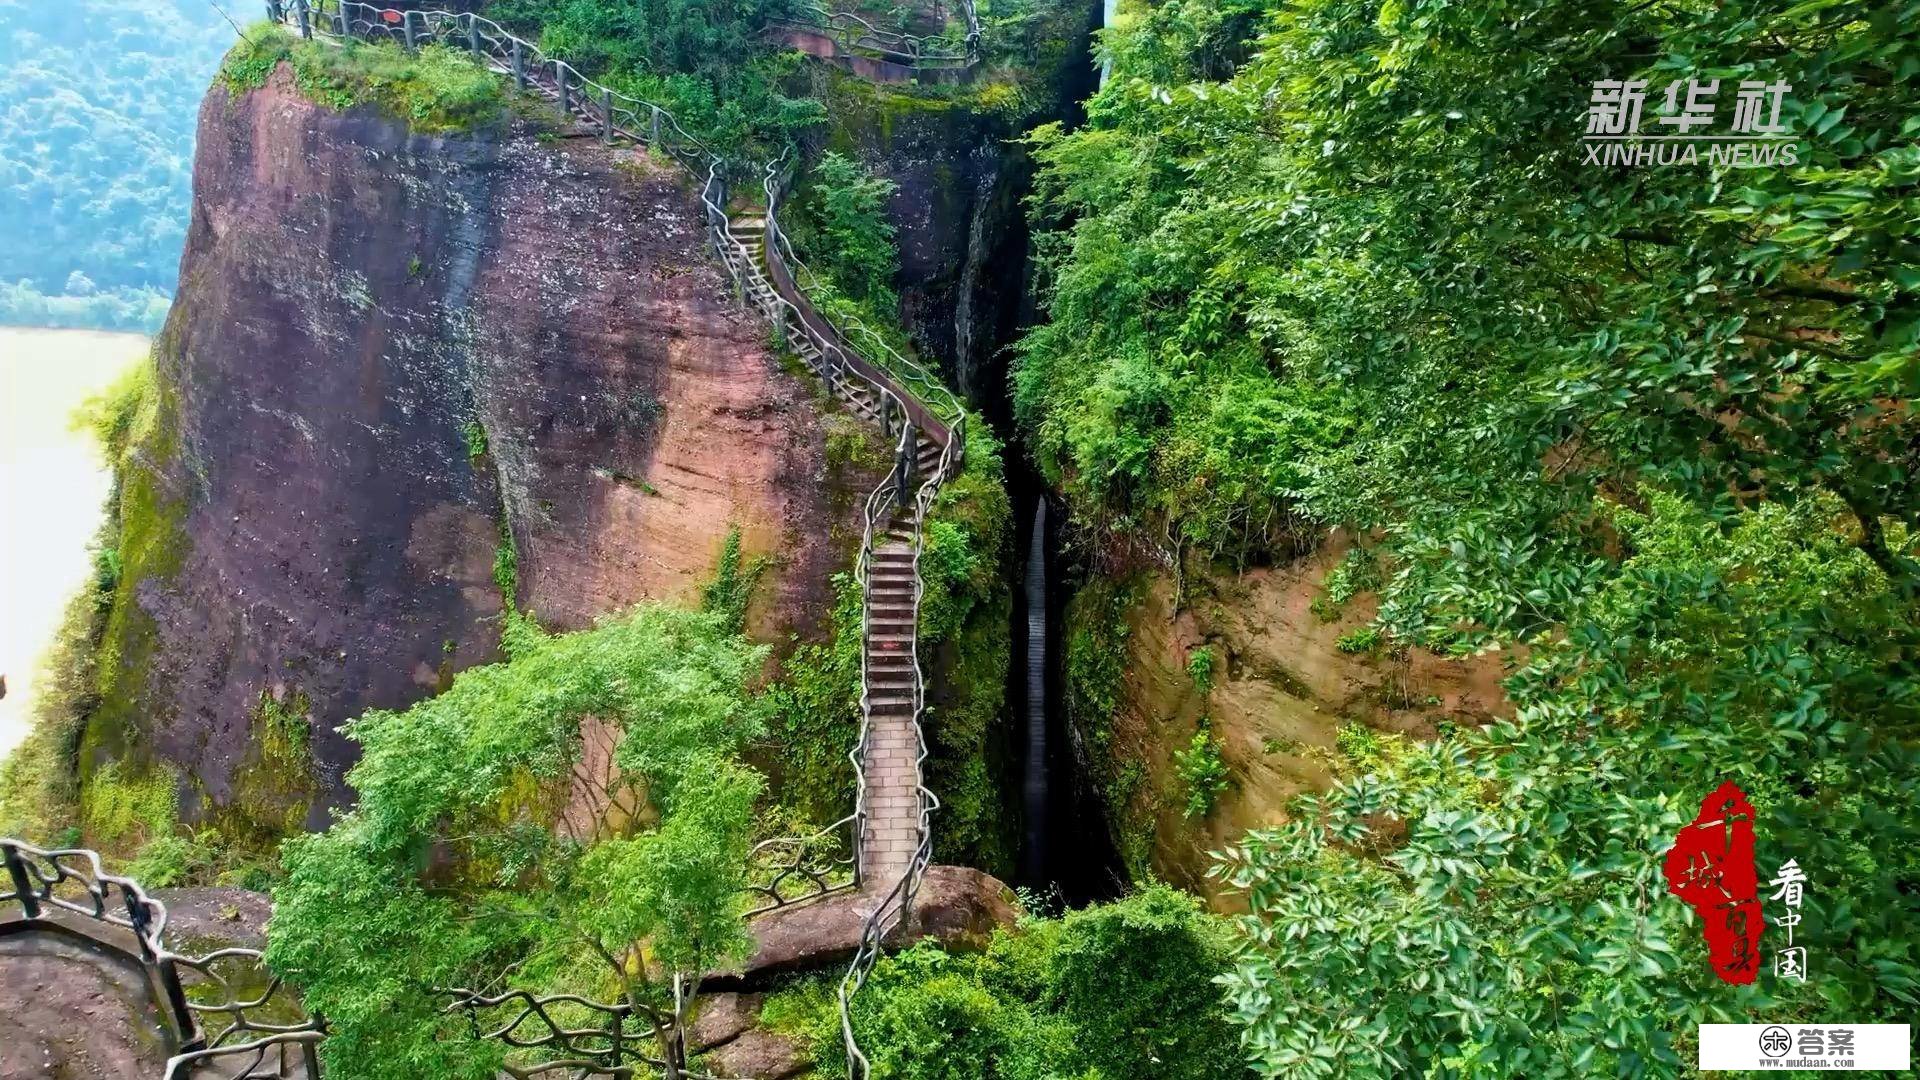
498 846
1343 264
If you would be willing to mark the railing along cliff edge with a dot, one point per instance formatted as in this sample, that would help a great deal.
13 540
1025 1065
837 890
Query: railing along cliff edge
897 386
212 1020
857 33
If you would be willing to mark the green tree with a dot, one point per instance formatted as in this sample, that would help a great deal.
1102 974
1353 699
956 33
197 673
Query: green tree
1522 927
500 843
1343 265
844 230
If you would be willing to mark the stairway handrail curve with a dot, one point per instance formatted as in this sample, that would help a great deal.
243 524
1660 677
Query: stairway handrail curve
38 879
945 404
857 32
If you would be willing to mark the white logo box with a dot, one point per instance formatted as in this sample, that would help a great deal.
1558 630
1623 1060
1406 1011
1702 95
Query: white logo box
1852 1047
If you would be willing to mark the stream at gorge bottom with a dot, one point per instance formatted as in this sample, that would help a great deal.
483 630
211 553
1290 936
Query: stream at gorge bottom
1067 848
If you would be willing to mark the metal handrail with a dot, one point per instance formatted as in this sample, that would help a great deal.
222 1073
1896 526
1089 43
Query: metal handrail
842 367
944 403
855 32
225 1030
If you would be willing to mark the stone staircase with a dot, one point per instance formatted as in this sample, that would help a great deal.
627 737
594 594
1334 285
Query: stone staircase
893 825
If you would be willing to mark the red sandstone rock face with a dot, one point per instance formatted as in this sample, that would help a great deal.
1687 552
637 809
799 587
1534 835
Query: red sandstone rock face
352 298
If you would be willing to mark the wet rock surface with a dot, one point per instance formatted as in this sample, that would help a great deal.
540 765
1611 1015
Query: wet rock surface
761 1055
72 1010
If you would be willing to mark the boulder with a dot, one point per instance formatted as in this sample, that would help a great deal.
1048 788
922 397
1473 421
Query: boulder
724 1018
960 907
761 1055
957 906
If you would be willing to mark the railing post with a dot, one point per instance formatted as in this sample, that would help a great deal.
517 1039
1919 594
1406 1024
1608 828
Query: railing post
519 67
340 22
560 74
473 34
274 14
22 884
164 968
306 24
907 459
606 107
406 23
886 414
653 131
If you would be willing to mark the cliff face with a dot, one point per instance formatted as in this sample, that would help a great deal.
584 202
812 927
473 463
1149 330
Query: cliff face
961 177
1281 690
401 372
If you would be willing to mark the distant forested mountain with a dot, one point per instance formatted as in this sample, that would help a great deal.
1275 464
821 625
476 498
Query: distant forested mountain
96 152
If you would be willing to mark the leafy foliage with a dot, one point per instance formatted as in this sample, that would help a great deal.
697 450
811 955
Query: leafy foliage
842 230
1117 990
705 62
477 845
96 144
1204 772
1529 878
815 716
1340 264
1367 280
964 613
734 580
1200 664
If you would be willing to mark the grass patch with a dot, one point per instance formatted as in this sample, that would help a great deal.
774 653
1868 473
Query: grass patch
435 90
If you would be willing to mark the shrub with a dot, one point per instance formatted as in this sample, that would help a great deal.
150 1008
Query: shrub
734 580
1358 640
843 230
1203 770
1126 989
1200 669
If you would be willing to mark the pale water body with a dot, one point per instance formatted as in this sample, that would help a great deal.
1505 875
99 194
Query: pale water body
53 490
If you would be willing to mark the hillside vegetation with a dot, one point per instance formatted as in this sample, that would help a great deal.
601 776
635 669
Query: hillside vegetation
96 155
1341 263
